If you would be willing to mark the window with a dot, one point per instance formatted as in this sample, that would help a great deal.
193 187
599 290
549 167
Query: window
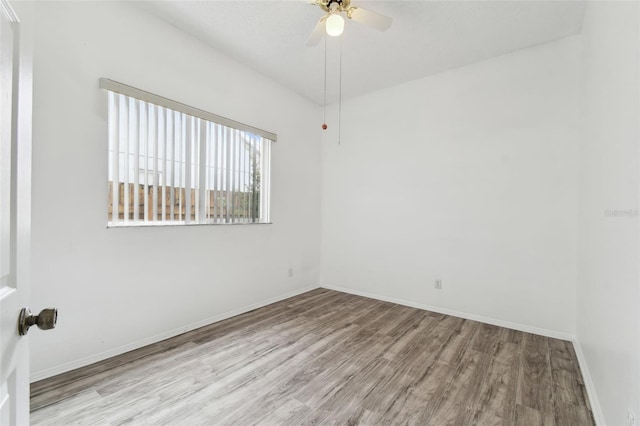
171 164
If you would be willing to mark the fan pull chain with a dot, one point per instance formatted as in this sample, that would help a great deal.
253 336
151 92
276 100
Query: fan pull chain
324 102
340 98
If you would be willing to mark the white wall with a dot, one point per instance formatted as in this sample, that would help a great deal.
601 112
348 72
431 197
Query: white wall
118 288
468 176
608 322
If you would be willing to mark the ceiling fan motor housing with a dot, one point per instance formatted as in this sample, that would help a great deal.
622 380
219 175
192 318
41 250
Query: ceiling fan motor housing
340 5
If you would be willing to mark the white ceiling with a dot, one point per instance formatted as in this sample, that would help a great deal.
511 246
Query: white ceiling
426 37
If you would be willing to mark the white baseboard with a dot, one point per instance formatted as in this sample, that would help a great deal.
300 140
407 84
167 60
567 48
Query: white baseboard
596 410
49 372
487 320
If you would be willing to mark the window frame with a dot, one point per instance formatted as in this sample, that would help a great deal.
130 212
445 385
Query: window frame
200 119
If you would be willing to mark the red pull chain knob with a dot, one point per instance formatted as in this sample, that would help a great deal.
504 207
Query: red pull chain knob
324 126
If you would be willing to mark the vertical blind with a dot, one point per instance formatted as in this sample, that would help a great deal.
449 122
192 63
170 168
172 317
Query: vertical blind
170 167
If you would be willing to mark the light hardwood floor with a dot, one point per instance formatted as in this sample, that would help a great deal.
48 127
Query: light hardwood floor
327 357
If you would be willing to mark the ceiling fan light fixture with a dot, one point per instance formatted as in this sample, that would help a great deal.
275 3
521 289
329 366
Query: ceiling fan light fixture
334 25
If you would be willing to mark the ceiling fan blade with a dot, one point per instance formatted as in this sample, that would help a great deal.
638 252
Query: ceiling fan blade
317 32
370 19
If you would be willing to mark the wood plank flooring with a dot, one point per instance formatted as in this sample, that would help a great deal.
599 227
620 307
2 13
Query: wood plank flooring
326 357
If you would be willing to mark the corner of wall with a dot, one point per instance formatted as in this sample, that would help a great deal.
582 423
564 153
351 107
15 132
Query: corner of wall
596 409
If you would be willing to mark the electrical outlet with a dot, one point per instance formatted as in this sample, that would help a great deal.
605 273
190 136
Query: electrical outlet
631 417
290 272
438 284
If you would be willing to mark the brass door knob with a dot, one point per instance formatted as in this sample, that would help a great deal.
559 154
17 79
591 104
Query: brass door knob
45 320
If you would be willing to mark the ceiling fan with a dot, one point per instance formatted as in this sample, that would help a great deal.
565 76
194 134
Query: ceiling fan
333 21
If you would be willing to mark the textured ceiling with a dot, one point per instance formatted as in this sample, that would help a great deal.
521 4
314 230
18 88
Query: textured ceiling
426 37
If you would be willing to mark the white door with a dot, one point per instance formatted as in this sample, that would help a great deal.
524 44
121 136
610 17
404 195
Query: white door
15 195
